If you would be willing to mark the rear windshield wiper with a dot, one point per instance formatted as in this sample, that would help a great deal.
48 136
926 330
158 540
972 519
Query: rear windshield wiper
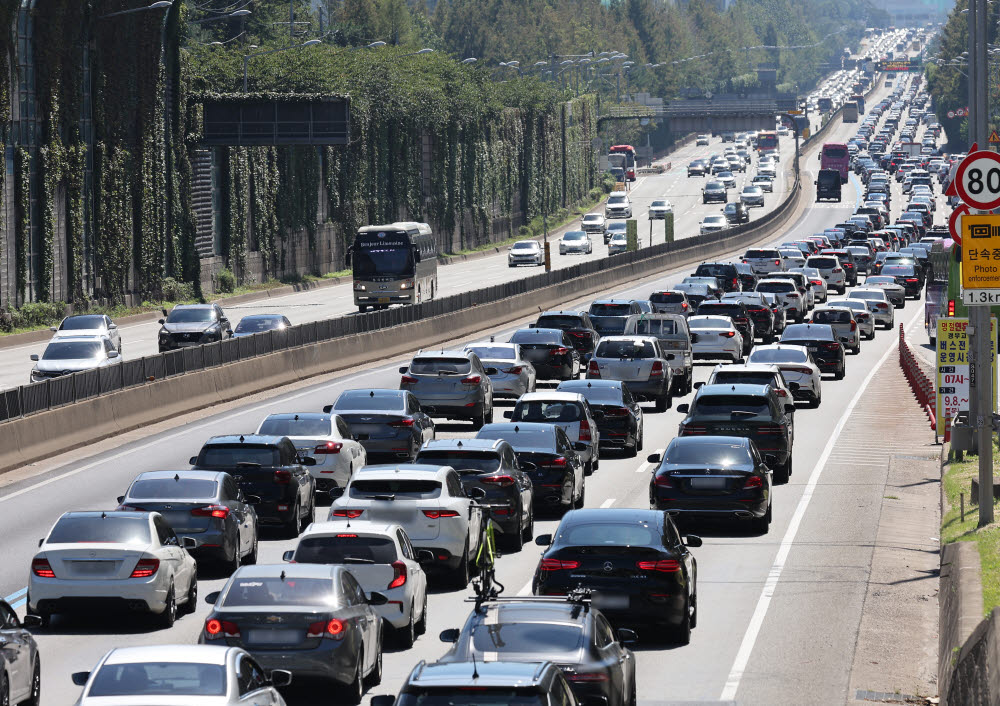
247 464
742 413
357 560
383 497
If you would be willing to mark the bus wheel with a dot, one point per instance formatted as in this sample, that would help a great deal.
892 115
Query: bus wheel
362 308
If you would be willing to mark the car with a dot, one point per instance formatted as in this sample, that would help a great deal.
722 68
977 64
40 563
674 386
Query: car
670 301
609 315
20 662
696 168
862 258
618 415
387 423
791 258
752 195
802 284
259 323
747 410
829 267
885 311
675 340
864 314
527 252
763 261
452 384
129 560
717 337
652 581
549 458
712 224
207 505
269 468
696 293
788 294
713 476
727 178
382 559
618 244
88 325
738 313
577 324
594 223
614 228
192 325
514 375
702 140
736 212
313 620
754 374
906 276
767 168
594 657
765 322
569 411
575 241
826 348
659 209
725 274
214 675
618 205
765 182
893 290
846 260
491 465
797 366
550 350
66 355
815 278
713 191
841 320
429 502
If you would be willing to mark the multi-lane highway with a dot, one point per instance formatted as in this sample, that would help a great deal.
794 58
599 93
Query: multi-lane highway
778 613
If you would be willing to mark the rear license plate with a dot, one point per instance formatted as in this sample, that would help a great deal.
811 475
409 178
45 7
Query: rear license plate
708 483
93 568
611 601
813 348
274 637
361 437
383 300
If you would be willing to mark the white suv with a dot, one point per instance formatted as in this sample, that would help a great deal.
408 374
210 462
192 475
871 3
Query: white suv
618 205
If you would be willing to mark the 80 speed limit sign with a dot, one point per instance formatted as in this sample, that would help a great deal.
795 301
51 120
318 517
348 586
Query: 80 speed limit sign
977 180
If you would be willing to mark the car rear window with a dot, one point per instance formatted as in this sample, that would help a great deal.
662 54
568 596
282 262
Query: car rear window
135 679
274 590
482 461
716 454
744 376
761 254
903 270
105 529
597 395
625 349
721 309
656 327
716 270
480 696
295 427
606 534
408 487
523 439
345 548
598 309
831 317
528 638
666 297
776 287
494 352
440 366
528 336
732 406
227 456
823 263
560 321
547 411
610 325
180 489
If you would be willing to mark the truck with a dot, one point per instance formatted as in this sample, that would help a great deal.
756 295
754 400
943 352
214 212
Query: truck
912 149
860 100
828 185
825 104
850 112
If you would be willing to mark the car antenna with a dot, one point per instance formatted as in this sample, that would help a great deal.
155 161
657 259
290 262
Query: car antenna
282 575
177 476
104 515
517 429
475 668
296 418
241 438
459 442
493 339
372 393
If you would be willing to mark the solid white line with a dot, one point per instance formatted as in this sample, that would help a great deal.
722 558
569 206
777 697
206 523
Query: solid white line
608 503
774 575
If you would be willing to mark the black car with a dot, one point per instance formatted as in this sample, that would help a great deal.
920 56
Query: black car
725 272
825 346
548 457
633 561
696 168
550 350
738 313
593 656
259 323
577 324
714 191
609 315
387 423
736 212
761 312
748 280
618 415
269 468
713 476
906 276
191 325
752 411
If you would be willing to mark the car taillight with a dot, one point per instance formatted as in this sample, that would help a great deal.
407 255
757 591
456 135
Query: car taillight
282 477
516 370
398 574
472 380
557 462
666 566
832 346
593 370
407 380
663 481
657 370
220 512
330 629
404 422
215 628
854 326
793 295
770 429
561 350
616 411
41 567
816 281
330 447
782 393
753 482
912 279
558 564
589 677
735 282
837 270
585 428
130 508
684 305
883 305
349 514
144 568
438 514
503 481
727 334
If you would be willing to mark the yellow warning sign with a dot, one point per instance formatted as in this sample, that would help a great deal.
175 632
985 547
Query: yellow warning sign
994 137
980 252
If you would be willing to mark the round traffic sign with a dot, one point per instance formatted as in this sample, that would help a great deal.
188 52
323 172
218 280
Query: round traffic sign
954 223
977 180
951 114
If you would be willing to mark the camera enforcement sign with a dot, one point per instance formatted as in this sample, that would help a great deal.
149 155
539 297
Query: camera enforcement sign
980 259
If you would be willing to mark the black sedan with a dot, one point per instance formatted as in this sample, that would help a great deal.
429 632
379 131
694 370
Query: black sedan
618 415
592 655
823 344
906 276
639 570
550 350
577 324
713 476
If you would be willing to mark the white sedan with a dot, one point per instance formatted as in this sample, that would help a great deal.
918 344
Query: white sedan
525 252
208 675
327 438
131 558
712 224
381 557
617 244
717 337
796 364
659 209
576 241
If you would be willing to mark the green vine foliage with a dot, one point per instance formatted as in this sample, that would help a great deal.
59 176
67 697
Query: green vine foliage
76 165
22 226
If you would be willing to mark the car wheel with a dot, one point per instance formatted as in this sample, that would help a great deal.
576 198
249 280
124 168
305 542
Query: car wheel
191 604
233 563
681 634
461 578
355 690
760 524
294 526
4 690
588 469
35 697
529 531
664 402
169 614
407 635
694 611
782 472
841 371
479 421
421 626
514 541
814 402
583 495
251 558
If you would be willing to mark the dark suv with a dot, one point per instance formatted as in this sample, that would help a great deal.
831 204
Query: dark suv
725 272
752 411
191 325
609 315
737 311
823 344
550 350
577 324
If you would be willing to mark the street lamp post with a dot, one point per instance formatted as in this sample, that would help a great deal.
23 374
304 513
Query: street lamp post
247 57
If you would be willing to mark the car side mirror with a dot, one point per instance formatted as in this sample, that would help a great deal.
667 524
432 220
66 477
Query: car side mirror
376 598
491 371
771 460
336 493
161 321
425 556
34 356
307 461
213 597
789 408
403 370
288 555
53 328
32 621
193 460
252 499
80 678
327 408
190 543
449 635
280 677
41 541
793 386
670 356
475 493
229 332
627 636
580 446
112 326
844 339
597 414
653 458
683 408
692 540
120 499
543 540
694 338
113 354
698 385
347 258
509 414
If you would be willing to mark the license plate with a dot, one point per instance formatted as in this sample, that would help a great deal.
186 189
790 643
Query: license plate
274 637
361 437
93 568
611 601
708 483
383 300
813 348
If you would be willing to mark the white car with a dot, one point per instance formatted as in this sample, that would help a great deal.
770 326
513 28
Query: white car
885 313
428 502
727 178
712 224
841 320
594 223
752 195
72 354
381 557
568 410
207 675
791 259
753 374
801 372
820 291
576 241
864 314
895 291
715 337
659 209
525 252
618 205
766 169
132 558
763 261
701 140
765 182
831 270
89 325
788 294
325 437
617 244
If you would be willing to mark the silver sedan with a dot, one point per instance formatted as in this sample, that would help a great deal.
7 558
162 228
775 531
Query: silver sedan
515 376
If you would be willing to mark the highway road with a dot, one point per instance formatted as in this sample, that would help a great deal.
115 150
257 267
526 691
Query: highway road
778 614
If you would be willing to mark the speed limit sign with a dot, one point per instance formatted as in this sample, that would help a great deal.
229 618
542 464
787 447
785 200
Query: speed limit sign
977 180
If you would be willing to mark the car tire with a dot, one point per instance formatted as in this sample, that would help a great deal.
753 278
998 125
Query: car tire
35 695
664 402
461 578
294 526
375 676
191 604
251 558
4 690
514 541
588 469
783 471
167 618
841 372
529 531
354 692
421 626
814 402
760 525
407 635
578 503
681 634
231 564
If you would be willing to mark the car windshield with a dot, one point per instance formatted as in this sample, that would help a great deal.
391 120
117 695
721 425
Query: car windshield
72 350
370 400
547 411
659 204
625 349
493 352
257 324
441 366
391 256
285 426
81 323
869 294
174 488
109 528
902 270
574 235
714 454
412 488
544 639
483 461
616 200
560 321
526 246
340 548
732 406
715 270
714 220
606 534
191 316
159 679
266 591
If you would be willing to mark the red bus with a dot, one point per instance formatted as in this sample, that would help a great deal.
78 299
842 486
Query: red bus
835 156
767 142
623 157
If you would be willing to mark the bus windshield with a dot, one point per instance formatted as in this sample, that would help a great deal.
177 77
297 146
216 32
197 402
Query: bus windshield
382 254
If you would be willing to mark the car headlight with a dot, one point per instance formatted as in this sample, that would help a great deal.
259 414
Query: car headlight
358 287
407 284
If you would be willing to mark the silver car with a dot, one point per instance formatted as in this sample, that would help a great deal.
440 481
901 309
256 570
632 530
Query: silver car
765 182
797 365
659 209
670 301
893 289
515 376
763 261
525 252
787 292
864 314
638 361
675 339
617 244
66 355
451 384
384 422
594 223
841 320
89 325
576 241
885 312
820 291
752 195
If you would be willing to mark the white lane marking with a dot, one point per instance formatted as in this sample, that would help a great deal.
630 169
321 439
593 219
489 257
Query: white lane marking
608 503
649 466
774 575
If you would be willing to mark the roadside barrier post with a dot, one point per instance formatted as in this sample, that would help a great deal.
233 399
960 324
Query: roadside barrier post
632 235
668 227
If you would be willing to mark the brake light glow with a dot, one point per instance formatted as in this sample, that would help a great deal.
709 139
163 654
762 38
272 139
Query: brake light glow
282 477
558 564
516 370
666 566
663 481
777 262
504 481
438 514
398 574
727 334
331 629
753 482
472 380
561 350
407 380
593 370
330 447
219 512
831 346
655 372
349 514
912 279
854 326
41 568
557 462
404 422
144 568
585 425
215 628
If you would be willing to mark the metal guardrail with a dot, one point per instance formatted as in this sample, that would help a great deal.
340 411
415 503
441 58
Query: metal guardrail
922 386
